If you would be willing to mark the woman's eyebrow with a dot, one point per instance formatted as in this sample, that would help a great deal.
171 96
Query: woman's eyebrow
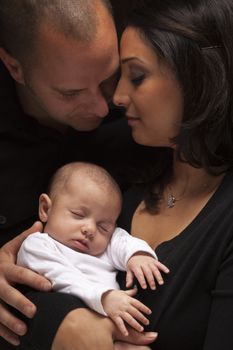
127 59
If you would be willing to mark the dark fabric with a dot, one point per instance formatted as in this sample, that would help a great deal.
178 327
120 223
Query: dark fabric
52 308
194 308
29 154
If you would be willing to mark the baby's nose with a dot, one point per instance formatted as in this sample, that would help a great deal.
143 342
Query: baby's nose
88 231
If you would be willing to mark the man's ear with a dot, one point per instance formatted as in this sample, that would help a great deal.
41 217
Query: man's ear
13 66
45 204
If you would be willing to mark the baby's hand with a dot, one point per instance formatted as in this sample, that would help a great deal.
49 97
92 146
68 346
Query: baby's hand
146 269
121 307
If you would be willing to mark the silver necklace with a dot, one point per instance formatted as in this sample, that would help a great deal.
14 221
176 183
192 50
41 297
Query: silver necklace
171 199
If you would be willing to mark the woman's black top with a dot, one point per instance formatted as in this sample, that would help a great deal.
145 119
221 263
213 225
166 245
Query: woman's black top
193 310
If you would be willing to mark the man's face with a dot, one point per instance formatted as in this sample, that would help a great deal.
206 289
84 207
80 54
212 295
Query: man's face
72 82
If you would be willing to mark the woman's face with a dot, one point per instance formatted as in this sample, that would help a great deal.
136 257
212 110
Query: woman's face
149 92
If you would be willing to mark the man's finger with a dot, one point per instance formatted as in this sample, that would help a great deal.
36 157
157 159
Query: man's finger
10 322
13 297
9 336
22 275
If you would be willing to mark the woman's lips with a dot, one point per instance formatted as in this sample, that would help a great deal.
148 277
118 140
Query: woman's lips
132 120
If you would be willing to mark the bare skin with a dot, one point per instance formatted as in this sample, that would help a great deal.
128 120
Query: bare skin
125 346
75 335
10 326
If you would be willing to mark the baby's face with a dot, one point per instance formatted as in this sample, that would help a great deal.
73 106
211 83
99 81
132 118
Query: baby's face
83 216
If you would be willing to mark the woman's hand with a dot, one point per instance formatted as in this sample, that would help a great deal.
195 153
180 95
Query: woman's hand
84 329
126 346
10 274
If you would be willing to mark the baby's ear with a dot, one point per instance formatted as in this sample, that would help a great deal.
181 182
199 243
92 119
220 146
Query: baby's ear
45 204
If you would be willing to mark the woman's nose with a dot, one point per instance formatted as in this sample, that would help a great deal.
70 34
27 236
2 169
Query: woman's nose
120 98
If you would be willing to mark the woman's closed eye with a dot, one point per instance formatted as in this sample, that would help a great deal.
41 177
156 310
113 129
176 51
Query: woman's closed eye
138 79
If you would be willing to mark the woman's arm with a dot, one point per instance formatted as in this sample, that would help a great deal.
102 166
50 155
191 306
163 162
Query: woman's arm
83 329
11 274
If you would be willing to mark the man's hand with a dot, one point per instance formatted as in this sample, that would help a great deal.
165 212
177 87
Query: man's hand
121 307
146 269
10 274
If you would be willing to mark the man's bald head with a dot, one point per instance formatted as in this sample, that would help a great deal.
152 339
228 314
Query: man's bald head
21 21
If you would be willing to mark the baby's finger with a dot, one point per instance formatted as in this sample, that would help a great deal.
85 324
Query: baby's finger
149 274
121 325
157 274
140 306
131 292
137 315
132 322
129 278
161 266
140 277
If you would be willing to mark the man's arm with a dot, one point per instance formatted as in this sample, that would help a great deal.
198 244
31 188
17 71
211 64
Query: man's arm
11 274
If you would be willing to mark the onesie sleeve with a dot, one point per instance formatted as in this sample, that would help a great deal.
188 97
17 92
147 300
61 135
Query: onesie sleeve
123 246
40 253
220 326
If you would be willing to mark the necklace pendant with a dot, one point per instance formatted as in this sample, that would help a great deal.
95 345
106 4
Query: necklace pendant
171 201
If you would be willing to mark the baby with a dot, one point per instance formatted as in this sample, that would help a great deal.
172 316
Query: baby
81 249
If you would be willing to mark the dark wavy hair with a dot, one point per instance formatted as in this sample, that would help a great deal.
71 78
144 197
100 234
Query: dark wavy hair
195 38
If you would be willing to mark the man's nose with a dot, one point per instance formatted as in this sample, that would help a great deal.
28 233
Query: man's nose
100 104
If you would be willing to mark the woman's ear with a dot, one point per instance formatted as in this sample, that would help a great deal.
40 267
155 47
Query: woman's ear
13 66
45 204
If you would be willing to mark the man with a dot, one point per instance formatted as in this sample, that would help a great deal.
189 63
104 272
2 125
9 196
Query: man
59 63
62 70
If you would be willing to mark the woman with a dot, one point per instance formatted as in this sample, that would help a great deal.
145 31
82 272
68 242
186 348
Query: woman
176 88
